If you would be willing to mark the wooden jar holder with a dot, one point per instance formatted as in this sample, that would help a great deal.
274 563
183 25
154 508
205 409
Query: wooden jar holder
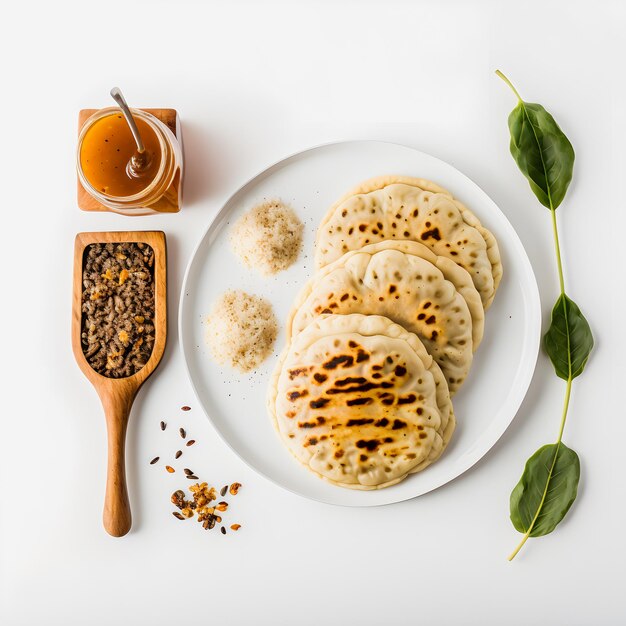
169 117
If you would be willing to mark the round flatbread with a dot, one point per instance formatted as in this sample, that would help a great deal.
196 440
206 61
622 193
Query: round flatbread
358 400
407 288
401 207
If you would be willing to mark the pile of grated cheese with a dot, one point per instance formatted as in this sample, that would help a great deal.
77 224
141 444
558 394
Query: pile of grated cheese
242 329
268 237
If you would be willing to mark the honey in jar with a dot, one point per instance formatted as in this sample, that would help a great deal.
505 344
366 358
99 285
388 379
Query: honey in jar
106 148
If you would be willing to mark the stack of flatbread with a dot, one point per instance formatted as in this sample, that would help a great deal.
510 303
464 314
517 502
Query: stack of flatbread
383 335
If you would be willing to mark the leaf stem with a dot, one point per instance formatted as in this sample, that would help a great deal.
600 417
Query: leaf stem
519 546
568 391
557 249
509 83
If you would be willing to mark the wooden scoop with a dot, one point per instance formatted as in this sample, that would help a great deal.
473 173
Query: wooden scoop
117 394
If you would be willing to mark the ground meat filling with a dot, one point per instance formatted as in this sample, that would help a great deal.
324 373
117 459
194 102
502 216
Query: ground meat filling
118 307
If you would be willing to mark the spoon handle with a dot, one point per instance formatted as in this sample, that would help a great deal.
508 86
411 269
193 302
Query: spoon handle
117 516
116 94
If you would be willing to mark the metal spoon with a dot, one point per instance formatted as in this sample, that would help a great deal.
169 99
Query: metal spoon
139 160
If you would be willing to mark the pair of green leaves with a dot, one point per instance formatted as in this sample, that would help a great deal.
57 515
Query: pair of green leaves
549 484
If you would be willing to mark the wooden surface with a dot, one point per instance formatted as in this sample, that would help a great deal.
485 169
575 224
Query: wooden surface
117 394
169 117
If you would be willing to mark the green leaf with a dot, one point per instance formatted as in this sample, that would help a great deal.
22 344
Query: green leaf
546 490
568 341
541 150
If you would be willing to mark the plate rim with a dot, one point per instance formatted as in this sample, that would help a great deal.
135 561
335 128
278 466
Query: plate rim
497 429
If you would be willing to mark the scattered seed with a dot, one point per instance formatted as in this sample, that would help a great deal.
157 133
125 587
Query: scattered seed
178 498
182 432
178 454
191 442
163 425
170 469
192 477
205 524
234 488
222 530
188 471
185 408
177 515
222 506
223 490
235 526
212 519
154 460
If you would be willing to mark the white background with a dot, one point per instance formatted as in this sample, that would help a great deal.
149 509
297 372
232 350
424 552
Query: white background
254 82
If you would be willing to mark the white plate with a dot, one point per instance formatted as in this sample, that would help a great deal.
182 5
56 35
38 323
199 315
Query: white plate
311 181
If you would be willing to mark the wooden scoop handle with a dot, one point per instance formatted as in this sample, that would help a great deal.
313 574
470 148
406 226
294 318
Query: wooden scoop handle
117 517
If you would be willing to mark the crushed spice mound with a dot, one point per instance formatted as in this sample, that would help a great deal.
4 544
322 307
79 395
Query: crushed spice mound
242 329
268 237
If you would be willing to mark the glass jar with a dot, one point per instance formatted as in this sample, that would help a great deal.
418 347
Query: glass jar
164 193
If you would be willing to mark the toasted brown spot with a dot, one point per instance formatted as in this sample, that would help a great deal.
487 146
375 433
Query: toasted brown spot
350 380
294 395
388 399
398 424
431 320
363 421
361 356
400 370
363 387
407 399
297 372
359 401
320 378
319 403
433 233
382 423
346 359
369 444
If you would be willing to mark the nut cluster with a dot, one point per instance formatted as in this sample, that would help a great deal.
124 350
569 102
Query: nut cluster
203 496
